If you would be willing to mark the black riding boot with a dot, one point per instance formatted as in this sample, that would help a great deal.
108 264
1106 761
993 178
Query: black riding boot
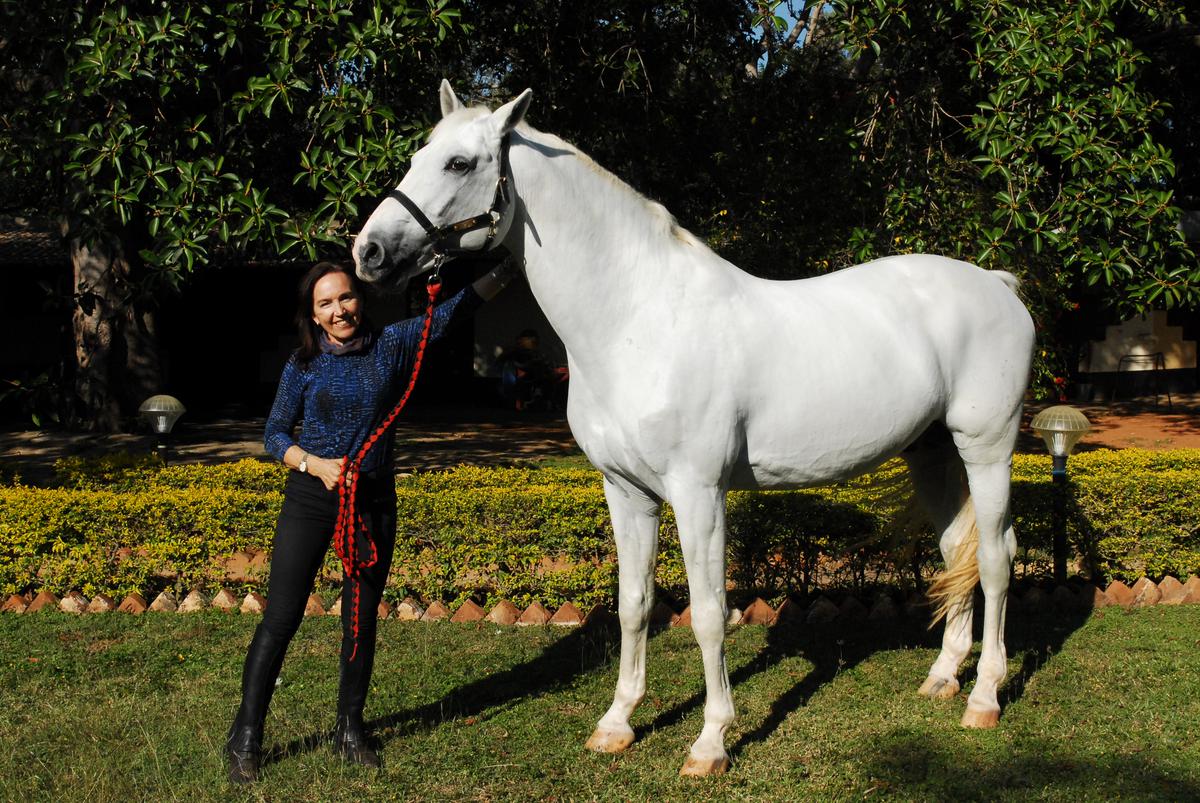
349 734
243 747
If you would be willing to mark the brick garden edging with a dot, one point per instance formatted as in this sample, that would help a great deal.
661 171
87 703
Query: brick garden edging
823 609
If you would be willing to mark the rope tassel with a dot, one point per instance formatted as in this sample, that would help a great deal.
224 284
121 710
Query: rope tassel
349 522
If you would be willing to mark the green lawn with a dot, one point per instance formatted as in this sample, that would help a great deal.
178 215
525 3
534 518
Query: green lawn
116 708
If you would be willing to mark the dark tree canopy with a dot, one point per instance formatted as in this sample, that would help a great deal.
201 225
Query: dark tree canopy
1057 141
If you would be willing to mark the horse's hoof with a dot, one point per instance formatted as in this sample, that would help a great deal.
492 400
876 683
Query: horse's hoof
981 717
936 688
609 741
696 767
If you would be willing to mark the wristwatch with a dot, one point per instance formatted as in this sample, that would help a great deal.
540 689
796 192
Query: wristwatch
303 467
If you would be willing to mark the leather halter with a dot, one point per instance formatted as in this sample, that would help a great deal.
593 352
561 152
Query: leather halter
501 199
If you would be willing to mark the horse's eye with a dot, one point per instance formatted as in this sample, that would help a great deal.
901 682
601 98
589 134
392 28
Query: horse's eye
458 165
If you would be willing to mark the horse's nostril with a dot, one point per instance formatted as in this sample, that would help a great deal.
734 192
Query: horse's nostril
370 255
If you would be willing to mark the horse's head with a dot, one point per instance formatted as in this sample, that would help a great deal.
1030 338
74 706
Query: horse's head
452 199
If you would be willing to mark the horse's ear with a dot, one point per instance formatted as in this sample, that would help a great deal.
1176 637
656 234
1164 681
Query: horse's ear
450 101
507 116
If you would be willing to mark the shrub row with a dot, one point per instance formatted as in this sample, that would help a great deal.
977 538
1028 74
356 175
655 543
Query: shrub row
123 524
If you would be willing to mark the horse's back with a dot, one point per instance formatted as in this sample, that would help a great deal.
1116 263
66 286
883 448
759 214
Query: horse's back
845 370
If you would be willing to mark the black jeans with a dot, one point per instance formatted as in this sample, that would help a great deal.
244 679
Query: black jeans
302 537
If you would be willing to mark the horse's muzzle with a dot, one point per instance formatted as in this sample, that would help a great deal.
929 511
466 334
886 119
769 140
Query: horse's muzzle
370 257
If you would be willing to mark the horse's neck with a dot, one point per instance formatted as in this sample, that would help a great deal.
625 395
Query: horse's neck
594 250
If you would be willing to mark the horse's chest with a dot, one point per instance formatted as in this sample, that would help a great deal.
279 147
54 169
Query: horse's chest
641 435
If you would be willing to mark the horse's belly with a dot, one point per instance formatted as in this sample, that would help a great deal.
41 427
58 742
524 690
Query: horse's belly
803 453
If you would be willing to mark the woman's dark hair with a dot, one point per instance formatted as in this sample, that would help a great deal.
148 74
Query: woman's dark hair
310 332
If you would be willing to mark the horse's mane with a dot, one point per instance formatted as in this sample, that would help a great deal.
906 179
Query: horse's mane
661 217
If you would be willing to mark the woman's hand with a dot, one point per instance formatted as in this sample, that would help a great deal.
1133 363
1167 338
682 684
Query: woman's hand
325 469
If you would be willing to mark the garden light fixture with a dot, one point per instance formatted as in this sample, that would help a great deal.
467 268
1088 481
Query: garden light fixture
1061 427
160 413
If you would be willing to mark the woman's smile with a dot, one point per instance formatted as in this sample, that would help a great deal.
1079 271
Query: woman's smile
336 307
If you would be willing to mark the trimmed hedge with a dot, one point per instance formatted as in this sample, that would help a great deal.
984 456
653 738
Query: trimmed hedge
124 524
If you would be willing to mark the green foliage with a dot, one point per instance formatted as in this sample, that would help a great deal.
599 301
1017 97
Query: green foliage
195 131
124 524
1027 138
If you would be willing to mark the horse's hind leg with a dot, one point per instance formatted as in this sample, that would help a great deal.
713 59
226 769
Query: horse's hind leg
990 484
940 483
635 527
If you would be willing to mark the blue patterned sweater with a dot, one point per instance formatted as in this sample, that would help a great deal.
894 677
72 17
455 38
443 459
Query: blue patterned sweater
342 398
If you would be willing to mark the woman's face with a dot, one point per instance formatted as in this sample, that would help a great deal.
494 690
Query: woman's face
336 307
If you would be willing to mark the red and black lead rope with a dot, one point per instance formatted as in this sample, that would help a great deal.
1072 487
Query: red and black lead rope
349 521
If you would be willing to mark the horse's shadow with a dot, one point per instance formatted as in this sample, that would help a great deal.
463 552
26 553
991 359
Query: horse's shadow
580 651
833 649
830 649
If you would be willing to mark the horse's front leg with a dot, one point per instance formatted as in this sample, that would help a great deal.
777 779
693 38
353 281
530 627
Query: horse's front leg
635 526
700 514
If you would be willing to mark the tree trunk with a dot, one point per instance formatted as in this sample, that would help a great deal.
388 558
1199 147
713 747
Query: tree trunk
143 361
116 352
95 324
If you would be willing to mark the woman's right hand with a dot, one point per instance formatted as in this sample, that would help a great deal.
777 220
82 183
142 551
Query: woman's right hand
327 470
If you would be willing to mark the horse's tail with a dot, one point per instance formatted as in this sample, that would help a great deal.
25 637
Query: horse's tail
1012 281
957 583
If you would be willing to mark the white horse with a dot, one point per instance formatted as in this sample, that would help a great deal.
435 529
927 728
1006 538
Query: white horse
690 377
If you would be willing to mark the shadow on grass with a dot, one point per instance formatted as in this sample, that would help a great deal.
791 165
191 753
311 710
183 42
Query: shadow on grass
580 651
920 766
832 649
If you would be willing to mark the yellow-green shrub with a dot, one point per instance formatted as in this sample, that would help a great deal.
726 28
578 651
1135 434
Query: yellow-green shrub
527 533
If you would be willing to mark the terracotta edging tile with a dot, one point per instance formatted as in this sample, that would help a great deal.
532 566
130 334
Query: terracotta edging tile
504 613
757 612
436 612
823 611
134 603
661 614
224 600
1145 592
43 601
409 610
467 612
253 603
535 614
789 613
16 603
1119 594
567 616
600 616
1172 591
73 602
314 606
101 603
193 602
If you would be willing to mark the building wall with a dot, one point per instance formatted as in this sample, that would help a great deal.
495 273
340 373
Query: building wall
1140 336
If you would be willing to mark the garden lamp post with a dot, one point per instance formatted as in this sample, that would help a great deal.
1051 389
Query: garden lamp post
1061 427
161 412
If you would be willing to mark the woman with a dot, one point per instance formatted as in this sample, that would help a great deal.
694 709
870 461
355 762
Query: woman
342 381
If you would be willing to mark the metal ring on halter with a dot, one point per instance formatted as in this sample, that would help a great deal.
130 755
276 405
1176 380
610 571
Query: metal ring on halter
435 278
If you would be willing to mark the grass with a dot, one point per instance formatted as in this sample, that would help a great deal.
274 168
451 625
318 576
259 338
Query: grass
115 708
